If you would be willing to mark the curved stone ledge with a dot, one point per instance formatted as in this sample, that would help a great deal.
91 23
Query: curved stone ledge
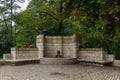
91 49
58 60
24 49
116 63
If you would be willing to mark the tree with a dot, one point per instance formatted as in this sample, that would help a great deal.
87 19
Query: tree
7 30
59 10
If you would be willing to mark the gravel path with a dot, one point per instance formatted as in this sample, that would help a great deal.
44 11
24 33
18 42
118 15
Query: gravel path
58 72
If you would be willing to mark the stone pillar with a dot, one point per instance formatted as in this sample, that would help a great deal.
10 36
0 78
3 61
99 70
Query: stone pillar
13 53
4 58
40 45
75 45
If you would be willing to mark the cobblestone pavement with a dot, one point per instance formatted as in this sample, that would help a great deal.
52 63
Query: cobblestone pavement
58 72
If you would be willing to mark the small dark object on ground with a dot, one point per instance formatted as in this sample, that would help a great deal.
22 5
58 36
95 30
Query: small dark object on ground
58 73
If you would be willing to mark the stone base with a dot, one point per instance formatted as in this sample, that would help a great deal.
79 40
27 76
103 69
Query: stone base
96 63
61 61
21 62
2 62
116 63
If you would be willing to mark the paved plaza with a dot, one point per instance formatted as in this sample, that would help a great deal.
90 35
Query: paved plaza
58 72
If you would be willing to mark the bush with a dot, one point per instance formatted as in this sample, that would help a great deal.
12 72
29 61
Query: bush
19 46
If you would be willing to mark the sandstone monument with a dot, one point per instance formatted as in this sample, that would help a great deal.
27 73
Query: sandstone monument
67 47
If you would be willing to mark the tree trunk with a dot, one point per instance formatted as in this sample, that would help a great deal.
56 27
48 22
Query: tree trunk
11 18
61 19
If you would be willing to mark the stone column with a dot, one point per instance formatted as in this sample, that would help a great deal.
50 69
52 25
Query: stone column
13 53
75 45
40 46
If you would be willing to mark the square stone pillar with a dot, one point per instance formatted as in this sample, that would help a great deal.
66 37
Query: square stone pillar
13 53
40 45
76 43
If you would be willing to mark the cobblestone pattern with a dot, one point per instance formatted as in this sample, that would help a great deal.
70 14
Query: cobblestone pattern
58 72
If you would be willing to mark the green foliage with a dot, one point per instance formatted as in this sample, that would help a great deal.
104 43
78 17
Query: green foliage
7 30
115 47
58 10
5 41
19 45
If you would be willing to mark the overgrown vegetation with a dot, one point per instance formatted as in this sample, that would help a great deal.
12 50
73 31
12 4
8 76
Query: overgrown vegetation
97 21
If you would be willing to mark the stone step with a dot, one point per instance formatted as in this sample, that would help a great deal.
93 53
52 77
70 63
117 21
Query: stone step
98 63
58 60
21 62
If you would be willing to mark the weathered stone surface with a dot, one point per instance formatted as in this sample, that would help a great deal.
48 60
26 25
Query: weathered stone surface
116 63
92 54
21 62
22 54
2 62
7 56
58 60
58 72
110 57
67 45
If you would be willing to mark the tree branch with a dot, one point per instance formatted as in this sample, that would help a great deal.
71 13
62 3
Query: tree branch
4 20
49 15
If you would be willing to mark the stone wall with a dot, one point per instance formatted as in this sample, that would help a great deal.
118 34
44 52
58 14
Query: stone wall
110 57
70 46
49 45
116 63
7 56
92 54
52 45
24 53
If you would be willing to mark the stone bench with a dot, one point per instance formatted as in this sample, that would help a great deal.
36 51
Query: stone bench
99 63
21 62
58 60
95 56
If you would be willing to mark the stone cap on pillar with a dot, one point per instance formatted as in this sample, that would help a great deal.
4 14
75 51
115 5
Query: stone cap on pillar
41 35
40 38
76 38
